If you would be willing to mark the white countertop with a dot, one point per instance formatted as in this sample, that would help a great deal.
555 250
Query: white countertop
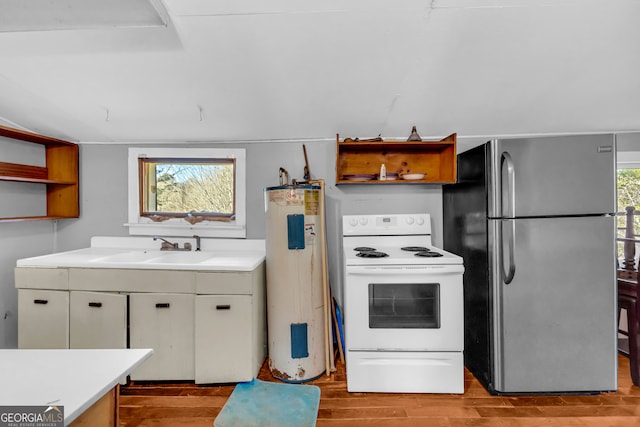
75 379
144 253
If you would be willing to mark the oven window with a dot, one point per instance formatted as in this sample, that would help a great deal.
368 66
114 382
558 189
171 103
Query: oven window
404 305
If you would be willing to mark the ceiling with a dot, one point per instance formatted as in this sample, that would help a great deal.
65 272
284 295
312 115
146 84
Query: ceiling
308 69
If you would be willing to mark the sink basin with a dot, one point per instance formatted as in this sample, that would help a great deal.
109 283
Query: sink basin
230 260
190 257
222 255
127 257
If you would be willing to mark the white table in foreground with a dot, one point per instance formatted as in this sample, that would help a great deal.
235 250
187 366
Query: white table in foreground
75 379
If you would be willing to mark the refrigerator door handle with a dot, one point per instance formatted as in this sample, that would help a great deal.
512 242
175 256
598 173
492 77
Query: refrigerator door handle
506 163
511 244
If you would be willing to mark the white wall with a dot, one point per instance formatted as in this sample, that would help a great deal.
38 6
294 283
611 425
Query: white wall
18 240
628 147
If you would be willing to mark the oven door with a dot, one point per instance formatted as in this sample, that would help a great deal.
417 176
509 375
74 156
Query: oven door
404 308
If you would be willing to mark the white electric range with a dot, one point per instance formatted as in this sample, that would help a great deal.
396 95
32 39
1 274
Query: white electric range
403 307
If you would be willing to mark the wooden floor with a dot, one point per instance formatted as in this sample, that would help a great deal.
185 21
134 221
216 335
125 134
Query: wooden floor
187 404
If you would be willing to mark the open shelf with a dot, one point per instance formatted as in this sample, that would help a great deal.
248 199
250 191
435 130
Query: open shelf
60 175
435 159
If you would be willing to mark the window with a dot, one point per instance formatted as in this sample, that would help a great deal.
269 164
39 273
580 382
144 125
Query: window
628 192
180 192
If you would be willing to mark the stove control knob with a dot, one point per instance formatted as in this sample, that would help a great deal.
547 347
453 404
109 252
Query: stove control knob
420 220
363 221
410 220
353 222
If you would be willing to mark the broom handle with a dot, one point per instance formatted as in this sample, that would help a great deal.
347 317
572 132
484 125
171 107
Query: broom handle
328 354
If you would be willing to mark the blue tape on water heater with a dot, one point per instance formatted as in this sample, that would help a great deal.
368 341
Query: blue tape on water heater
299 342
295 231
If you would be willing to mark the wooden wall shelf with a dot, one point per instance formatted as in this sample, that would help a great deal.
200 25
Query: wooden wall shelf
435 159
60 175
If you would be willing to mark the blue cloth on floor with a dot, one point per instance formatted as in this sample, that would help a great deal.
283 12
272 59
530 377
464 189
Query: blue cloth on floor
267 404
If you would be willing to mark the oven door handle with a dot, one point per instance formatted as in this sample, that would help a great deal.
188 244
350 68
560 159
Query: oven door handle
406 270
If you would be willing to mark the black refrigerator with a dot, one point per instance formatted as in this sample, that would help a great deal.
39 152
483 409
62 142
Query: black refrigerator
534 220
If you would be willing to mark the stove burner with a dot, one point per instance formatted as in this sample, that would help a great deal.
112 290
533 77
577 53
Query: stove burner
364 249
428 254
371 254
415 249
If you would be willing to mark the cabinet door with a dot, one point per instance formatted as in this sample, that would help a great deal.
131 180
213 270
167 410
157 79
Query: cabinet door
223 338
97 320
43 319
163 322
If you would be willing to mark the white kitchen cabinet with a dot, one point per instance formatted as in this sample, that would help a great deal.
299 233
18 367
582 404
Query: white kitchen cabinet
43 319
230 328
97 320
164 322
223 339
207 326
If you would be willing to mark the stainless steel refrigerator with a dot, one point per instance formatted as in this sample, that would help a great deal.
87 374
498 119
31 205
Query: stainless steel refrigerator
534 220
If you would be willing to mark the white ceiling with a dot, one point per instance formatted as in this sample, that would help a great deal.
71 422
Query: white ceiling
308 69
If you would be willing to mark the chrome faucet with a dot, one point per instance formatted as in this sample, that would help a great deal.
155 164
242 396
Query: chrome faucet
168 246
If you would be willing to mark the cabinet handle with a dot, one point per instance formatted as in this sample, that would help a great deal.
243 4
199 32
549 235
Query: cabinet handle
40 301
223 307
162 305
95 304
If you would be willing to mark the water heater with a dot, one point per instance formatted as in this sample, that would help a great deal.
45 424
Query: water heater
295 302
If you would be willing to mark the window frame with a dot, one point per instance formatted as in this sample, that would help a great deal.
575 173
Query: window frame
144 174
141 225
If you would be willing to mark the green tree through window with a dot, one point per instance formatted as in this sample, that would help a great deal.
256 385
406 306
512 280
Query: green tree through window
628 186
181 187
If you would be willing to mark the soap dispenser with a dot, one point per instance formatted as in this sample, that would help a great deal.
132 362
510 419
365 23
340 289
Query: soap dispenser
383 173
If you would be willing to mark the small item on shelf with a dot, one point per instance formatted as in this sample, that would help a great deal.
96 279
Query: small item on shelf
376 139
413 176
359 177
414 135
383 173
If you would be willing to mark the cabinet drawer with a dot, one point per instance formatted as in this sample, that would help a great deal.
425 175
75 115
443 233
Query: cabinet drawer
43 319
224 283
97 320
42 278
163 322
224 337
